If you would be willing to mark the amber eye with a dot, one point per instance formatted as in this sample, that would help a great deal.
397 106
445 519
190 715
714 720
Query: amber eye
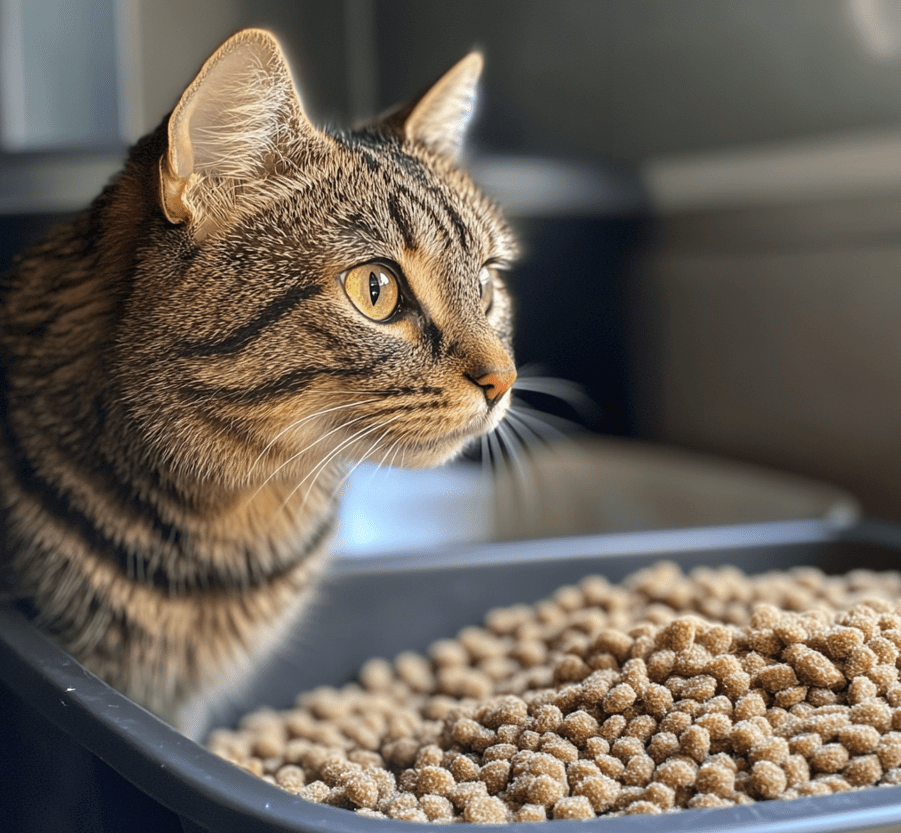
486 287
372 289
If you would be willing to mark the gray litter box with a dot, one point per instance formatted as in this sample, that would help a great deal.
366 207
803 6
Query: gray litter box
75 755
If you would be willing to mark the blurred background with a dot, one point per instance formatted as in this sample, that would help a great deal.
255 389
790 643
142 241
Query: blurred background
709 193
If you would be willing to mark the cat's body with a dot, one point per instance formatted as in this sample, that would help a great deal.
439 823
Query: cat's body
190 364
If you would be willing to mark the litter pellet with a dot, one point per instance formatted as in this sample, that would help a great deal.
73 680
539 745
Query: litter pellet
671 691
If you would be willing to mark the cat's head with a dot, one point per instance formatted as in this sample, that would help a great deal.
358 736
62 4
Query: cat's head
302 293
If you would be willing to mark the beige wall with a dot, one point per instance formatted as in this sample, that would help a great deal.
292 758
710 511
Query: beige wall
773 334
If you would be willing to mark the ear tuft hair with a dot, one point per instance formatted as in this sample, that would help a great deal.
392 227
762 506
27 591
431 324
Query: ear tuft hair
226 127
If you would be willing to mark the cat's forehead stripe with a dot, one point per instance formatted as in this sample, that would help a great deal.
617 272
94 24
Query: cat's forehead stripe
401 220
421 200
413 187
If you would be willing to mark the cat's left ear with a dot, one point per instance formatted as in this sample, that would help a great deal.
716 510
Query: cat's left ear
224 132
440 116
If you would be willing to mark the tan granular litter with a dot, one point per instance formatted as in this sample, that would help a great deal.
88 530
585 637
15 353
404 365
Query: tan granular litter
670 691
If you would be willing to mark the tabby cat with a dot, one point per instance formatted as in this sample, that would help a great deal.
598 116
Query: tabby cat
192 364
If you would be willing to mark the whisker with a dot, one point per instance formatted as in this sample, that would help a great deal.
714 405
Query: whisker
485 458
509 450
497 467
321 466
383 454
511 443
362 459
572 393
524 485
552 425
535 432
306 448
396 446
302 420
531 370
495 455
568 391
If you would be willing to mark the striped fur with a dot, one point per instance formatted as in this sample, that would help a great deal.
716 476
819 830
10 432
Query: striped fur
185 381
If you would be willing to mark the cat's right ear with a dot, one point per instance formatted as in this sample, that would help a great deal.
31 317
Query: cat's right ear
440 116
223 134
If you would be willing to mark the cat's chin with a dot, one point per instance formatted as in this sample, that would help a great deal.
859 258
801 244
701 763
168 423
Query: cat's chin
443 449
429 455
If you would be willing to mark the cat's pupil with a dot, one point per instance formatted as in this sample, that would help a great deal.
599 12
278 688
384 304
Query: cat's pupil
374 288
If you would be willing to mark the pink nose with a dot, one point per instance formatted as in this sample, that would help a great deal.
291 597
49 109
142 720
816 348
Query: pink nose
495 383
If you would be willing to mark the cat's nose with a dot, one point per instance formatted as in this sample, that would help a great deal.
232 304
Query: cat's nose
494 383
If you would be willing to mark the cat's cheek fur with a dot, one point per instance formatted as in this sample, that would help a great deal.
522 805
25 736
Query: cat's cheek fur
429 455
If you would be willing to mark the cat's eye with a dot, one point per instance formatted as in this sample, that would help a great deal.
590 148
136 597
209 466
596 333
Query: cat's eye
373 290
486 287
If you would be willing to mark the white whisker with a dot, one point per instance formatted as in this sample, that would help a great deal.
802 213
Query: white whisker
299 422
496 455
321 466
551 424
523 484
396 446
306 448
536 433
362 459
572 393
485 459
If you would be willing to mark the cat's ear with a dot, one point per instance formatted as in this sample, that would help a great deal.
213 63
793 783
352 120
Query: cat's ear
440 116
224 131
